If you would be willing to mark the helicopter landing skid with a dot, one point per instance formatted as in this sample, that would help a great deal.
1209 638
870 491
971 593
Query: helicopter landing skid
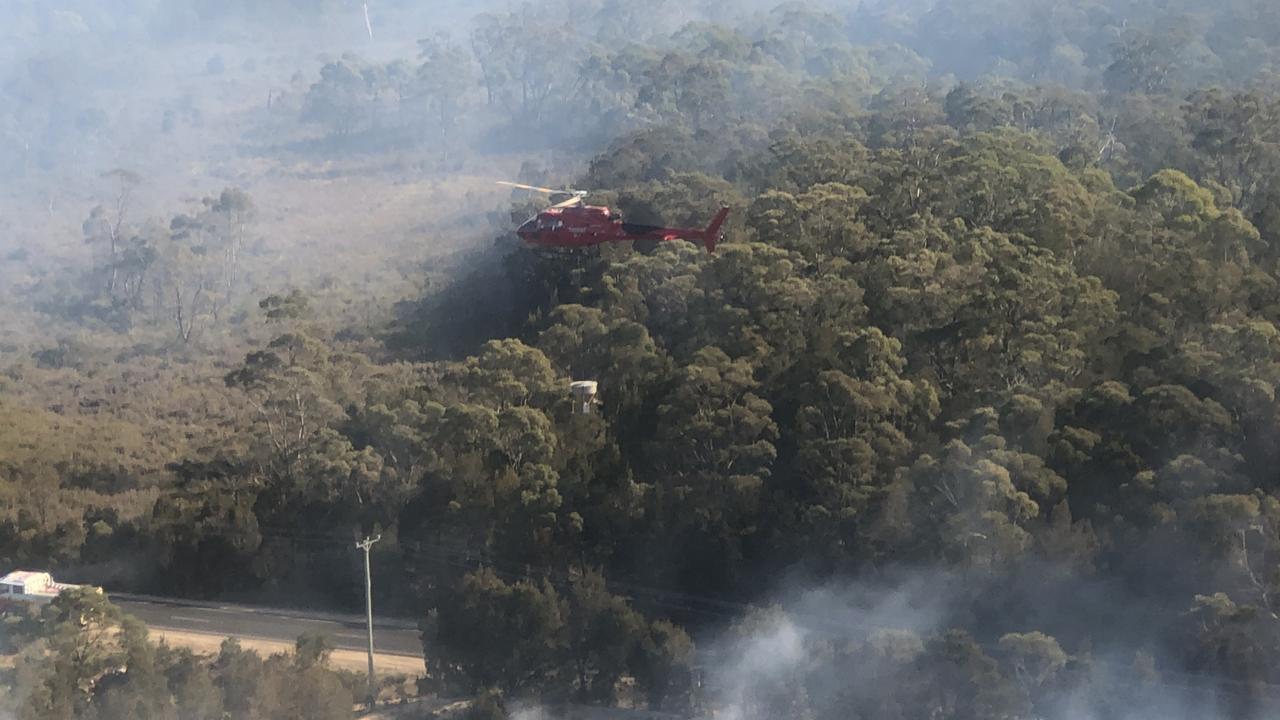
552 252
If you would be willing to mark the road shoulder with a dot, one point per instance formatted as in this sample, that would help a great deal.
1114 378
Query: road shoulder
208 644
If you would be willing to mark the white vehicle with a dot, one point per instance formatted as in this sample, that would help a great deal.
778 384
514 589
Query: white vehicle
31 586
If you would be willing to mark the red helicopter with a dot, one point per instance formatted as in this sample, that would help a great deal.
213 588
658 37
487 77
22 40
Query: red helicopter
571 224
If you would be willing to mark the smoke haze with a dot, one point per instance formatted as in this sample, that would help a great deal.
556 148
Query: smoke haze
972 416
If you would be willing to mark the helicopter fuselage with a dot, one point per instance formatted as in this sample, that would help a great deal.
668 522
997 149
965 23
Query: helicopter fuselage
582 226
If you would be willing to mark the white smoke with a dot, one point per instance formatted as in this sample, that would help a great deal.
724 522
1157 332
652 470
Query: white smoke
834 647
777 651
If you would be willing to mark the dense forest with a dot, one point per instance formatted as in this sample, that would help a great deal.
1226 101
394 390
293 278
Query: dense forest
973 415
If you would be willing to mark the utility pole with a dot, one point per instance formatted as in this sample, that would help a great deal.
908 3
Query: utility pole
368 608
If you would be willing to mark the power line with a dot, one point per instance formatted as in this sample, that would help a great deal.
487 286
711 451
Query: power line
460 556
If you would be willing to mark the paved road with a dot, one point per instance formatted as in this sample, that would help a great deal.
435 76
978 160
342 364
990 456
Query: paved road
393 637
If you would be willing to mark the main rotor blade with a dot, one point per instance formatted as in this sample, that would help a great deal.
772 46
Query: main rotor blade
569 203
534 188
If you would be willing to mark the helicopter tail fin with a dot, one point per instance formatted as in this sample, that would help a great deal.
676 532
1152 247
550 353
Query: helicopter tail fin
712 234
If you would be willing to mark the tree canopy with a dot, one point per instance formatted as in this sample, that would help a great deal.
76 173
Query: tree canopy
973 415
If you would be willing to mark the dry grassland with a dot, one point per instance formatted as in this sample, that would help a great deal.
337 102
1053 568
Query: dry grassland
208 644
